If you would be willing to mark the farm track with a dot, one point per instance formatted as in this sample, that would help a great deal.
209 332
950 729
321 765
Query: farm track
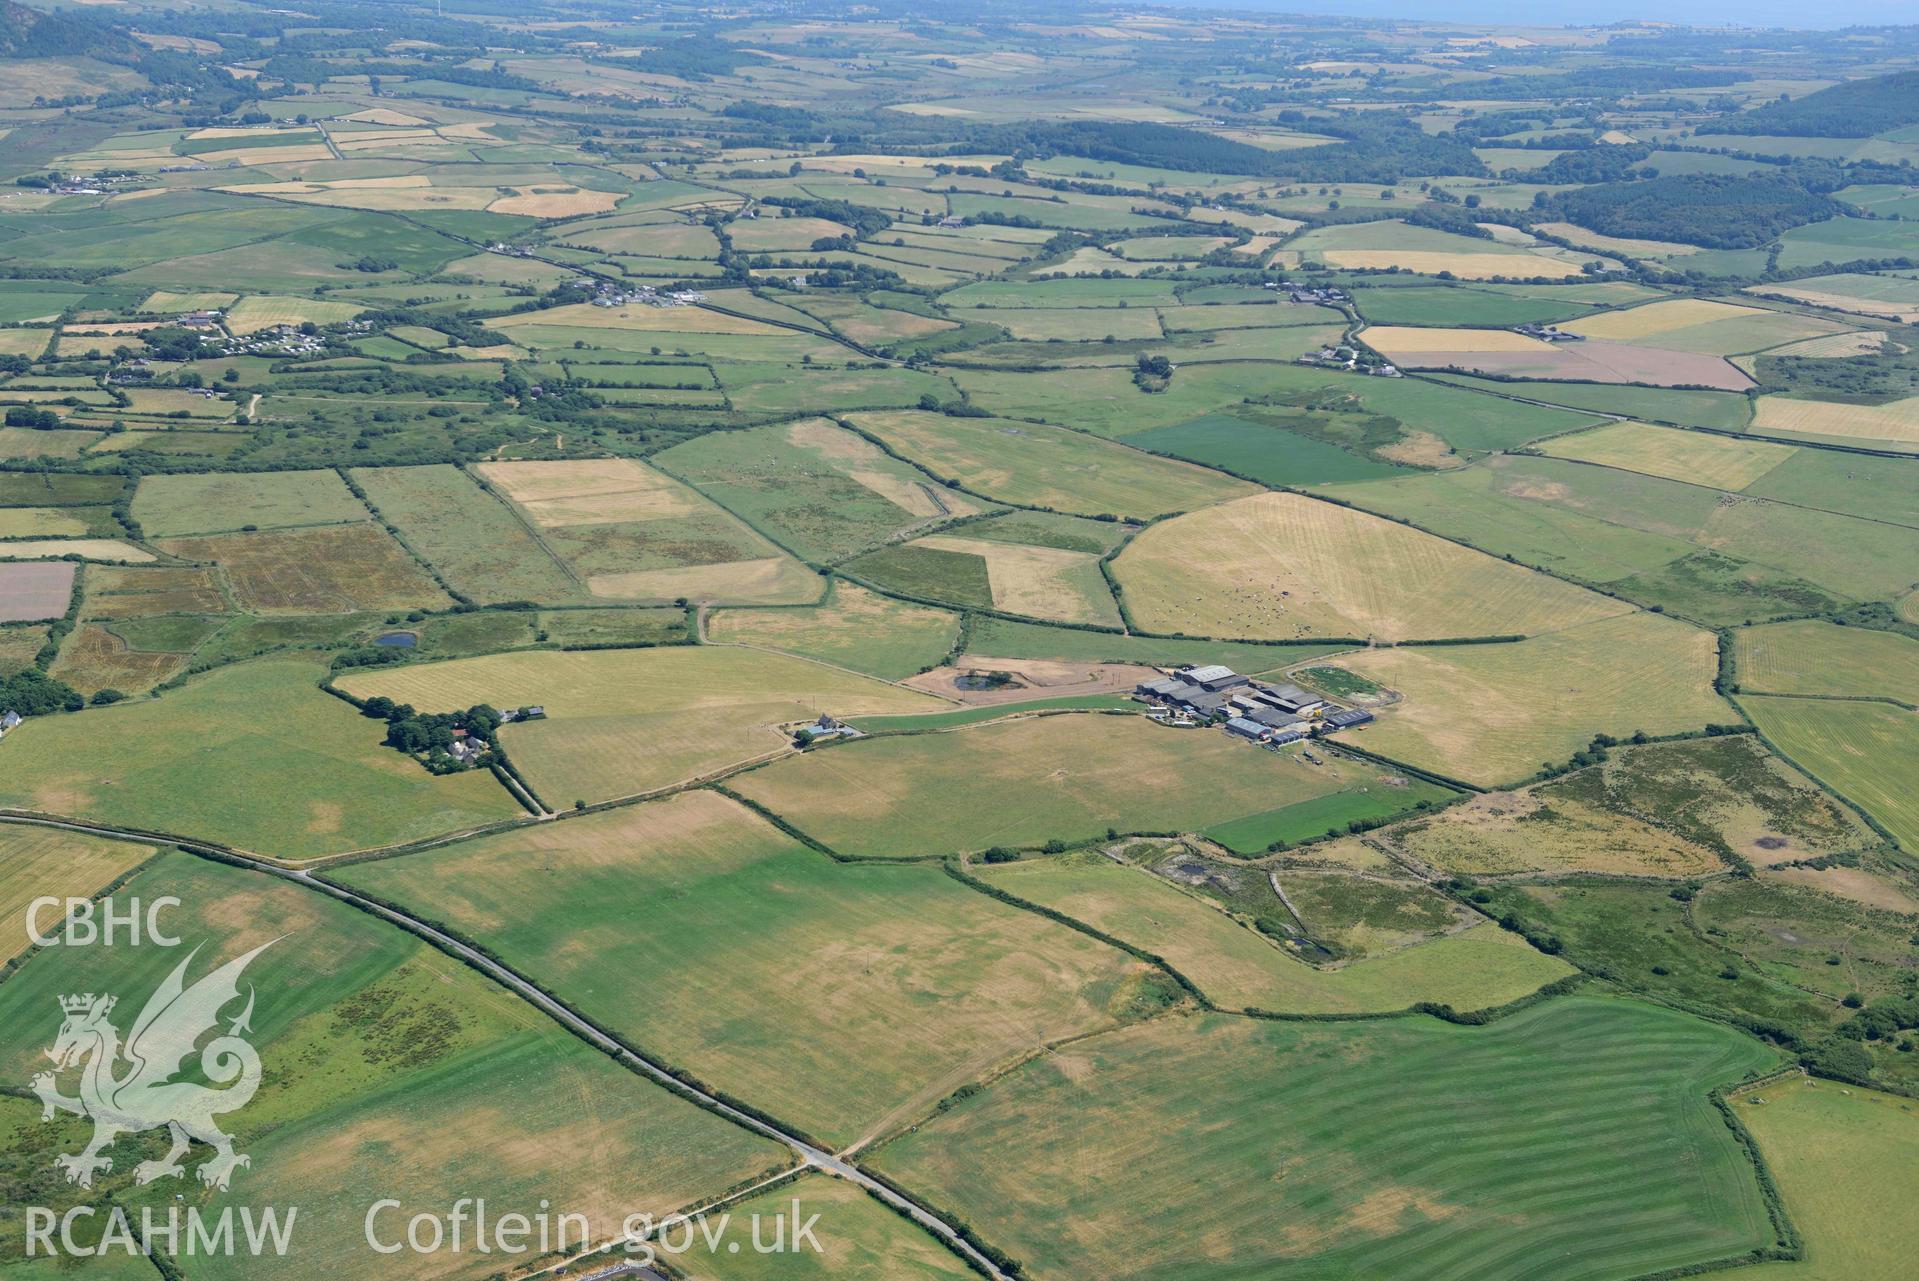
810 1156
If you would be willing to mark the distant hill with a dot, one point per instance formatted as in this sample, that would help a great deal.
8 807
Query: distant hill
31 33
1855 109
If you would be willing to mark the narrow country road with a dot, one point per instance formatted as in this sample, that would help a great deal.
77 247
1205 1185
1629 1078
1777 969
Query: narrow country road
809 1155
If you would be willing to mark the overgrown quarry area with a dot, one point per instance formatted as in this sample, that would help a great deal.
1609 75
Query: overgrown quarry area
1097 642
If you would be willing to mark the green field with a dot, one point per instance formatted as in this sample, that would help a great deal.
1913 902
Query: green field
626 721
1650 404
1866 752
254 726
815 488
481 547
1813 657
1841 1157
1240 968
1046 467
855 628
167 506
861 1239
1375 1150
842 999
1026 782
1491 714
1005 638
1322 816
1462 305
373 1043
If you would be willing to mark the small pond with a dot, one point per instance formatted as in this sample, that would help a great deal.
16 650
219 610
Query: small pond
398 640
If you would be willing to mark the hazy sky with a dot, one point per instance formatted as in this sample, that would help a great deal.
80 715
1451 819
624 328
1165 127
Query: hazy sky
1779 13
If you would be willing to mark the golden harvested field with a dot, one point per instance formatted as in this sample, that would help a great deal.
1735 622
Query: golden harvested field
1694 457
1894 425
1042 582
1813 657
1504 832
1490 714
37 861
263 311
1278 566
1407 340
627 721
590 491
672 320
1466 266
555 201
331 569
1656 318
87 548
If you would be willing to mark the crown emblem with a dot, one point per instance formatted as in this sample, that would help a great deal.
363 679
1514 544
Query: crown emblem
81 1004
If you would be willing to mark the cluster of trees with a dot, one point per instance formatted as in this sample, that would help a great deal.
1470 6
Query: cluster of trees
1152 373
432 735
863 220
1851 109
34 693
28 416
691 58
1718 211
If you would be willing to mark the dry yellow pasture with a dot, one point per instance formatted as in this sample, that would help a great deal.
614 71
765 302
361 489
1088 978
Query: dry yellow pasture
385 116
168 300
1862 342
867 464
768 580
1042 582
1656 318
556 201
1620 245
376 194
677 320
1408 340
1506 832
595 491
24 342
621 722
36 861
1896 423
247 157
87 548
264 311
1695 457
1466 266
1281 566
1904 313
1491 714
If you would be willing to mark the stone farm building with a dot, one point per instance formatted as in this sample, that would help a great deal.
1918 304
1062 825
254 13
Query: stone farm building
1250 709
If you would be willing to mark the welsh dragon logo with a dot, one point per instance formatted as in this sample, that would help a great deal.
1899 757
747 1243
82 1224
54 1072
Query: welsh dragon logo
142 1095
